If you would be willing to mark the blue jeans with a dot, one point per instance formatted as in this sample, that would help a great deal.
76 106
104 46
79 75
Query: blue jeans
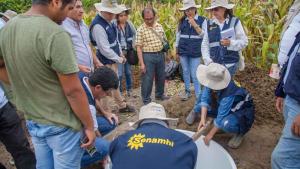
127 68
286 154
205 98
102 145
55 147
189 68
155 68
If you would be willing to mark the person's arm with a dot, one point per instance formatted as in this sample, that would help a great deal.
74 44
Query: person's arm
133 32
223 111
139 49
96 61
241 39
3 72
78 101
103 45
205 47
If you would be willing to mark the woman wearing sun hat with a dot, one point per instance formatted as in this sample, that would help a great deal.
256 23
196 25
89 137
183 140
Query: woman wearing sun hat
235 110
188 45
224 37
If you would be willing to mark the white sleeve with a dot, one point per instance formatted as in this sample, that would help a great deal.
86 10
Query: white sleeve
205 47
103 45
177 38
203 26
288 39
94 112
241 39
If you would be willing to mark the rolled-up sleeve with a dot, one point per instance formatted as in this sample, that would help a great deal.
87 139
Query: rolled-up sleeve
103 45
241 39
223 110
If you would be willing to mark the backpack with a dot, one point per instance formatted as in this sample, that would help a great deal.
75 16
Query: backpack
171 69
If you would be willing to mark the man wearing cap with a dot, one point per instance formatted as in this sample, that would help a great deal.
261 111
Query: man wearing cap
153 144
79 32
235 110
151 58
37 58
104 37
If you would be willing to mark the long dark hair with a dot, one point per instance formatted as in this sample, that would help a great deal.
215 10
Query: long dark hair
228 12
127 12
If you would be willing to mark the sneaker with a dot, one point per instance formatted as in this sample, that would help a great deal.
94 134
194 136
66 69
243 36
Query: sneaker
185 96
235 141
164 97
127 109
190 118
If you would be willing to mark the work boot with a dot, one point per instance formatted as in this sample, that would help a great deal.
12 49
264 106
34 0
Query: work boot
191 118
235 141
127 109
185 96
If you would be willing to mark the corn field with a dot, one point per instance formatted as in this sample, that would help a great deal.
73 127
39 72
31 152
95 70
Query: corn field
262 21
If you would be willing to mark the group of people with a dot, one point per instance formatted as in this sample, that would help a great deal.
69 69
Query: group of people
47 60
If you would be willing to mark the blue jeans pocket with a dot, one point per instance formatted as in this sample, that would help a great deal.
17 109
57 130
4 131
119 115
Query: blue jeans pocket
43 130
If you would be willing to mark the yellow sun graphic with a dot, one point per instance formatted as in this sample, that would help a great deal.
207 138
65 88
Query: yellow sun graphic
135 142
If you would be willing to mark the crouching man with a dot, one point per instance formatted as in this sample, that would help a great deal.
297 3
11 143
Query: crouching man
153 144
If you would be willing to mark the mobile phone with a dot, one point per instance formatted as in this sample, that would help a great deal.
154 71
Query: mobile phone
91 150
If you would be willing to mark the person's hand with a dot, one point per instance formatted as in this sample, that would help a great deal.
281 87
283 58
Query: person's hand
98 134
124 59
91 136
207 139
279 104
84 69
112 118
202 124
225 42
296 126
192 21
98 64
143 68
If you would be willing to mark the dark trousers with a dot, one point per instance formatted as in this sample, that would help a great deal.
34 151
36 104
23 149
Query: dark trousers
13 137
155 67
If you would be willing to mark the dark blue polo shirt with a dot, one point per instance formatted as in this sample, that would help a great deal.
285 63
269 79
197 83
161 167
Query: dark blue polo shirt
153 146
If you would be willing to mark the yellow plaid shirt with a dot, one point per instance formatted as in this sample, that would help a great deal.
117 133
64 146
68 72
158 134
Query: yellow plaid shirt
148 40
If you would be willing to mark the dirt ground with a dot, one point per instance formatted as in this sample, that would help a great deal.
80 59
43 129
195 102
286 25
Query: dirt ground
258 144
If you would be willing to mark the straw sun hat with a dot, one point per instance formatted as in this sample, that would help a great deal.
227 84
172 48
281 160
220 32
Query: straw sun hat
110 6
189 4
220 3
153 111
9 14
213 76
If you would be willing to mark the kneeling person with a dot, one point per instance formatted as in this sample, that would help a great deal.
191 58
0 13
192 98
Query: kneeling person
152 144
235 110
98 85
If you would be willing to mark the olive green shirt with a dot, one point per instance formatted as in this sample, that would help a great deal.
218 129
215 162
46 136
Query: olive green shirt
35 49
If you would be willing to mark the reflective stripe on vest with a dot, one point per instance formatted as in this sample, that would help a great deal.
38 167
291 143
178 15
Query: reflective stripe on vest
214 44
191 36
240 104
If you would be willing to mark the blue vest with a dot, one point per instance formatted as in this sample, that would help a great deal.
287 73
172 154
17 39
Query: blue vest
218 53
189 40
111 32
89 95
292 85
153 146
128 36
242 107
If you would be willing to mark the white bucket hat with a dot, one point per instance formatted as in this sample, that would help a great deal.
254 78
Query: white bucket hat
220 3
189 4
110 6
124 8
9 14
153 111
213 76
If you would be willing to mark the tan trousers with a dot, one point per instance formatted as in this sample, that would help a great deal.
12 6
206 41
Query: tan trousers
116 93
